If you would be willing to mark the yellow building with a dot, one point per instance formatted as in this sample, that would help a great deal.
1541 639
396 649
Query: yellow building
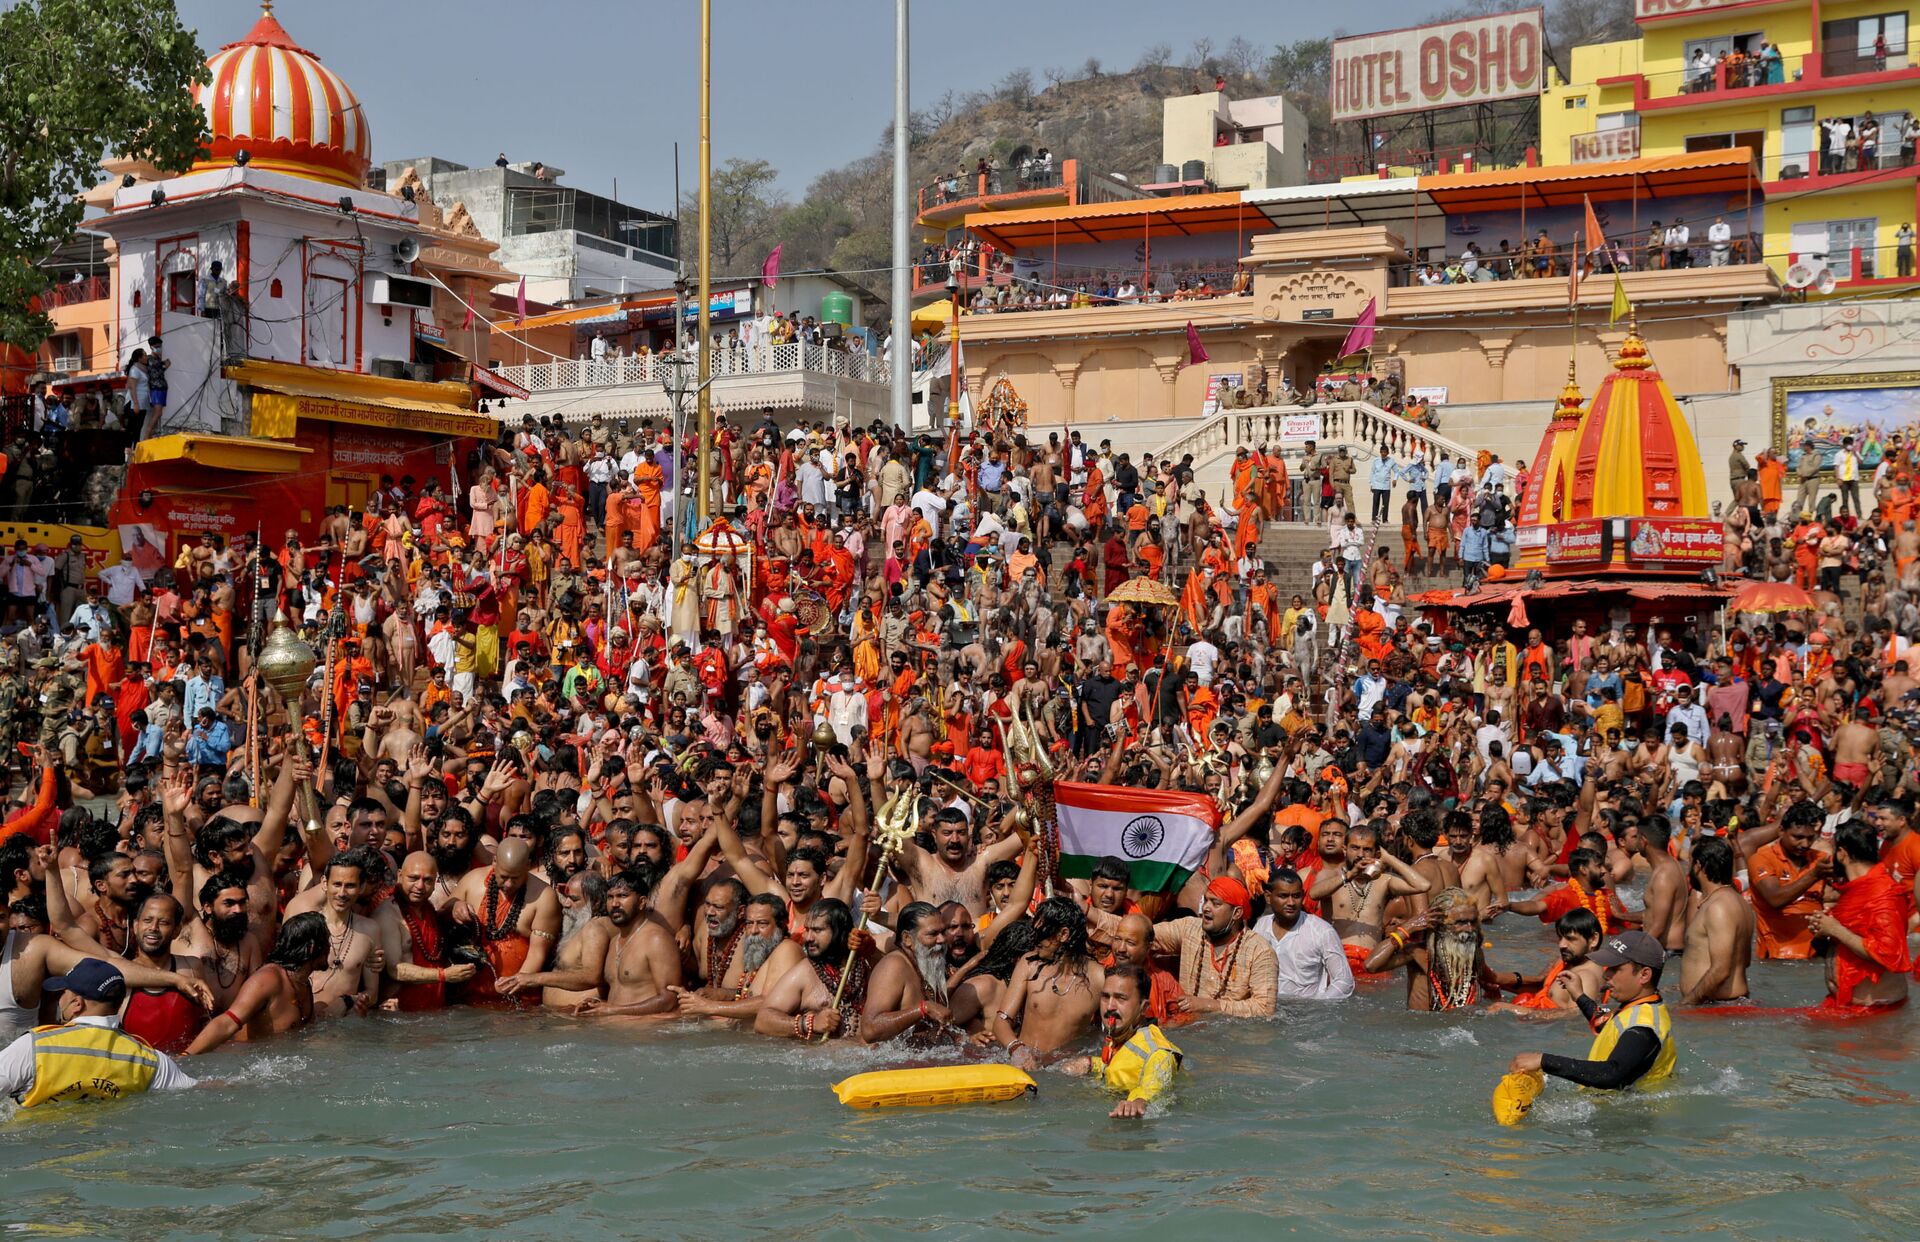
1822 94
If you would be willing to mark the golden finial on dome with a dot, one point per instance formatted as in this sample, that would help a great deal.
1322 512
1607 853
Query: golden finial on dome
266 8
1570 400
1633 351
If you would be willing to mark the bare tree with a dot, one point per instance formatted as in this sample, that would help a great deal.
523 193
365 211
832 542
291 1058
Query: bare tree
1054 75
1156 57
1092 68
1202 52
1242 58
1016 87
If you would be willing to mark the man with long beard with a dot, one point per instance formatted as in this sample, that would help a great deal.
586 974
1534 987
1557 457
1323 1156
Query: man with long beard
809 1001
755 952
909 986
450 841
413 940
1440 948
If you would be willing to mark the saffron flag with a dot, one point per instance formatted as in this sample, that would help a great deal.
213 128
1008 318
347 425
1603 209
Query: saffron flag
1360 336
1596 236
467 323
1621 307
520 303
770 270
1196 352
1163 835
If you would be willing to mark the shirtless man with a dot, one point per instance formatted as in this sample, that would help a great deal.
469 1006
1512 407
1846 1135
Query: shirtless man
1441 951
1435 866
1354 897
1856 753
516 920
164 1018
279 996
351 981
1664 916
1500 863
1050 1000
803 1004
1719 929
1557 995
642 963
752 957
956 870
908 991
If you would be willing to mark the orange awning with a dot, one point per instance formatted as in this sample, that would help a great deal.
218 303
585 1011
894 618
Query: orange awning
1226 212
1661 176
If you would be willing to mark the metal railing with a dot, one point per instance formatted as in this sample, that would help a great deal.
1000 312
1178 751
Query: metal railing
1809 160
573 373
1433 266
72 293
1744 72
965 187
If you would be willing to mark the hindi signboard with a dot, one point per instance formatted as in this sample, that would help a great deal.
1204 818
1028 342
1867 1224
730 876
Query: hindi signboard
1444 65
1577 543
1299 428
1685 542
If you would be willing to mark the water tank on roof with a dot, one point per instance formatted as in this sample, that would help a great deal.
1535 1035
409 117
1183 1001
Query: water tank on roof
1165 174
1193 170
836 308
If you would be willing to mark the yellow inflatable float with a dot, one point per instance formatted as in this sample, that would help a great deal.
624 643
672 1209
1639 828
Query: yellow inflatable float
933 1086
1513 1097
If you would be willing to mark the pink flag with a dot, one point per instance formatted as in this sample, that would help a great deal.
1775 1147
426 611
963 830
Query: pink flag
1196 352
467 323
520 302
1360 336
770 270
1517 615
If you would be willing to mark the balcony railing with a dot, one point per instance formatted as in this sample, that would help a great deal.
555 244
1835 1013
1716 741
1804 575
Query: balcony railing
1884 154
795 356
966 187
1736 75
1854 263
1850 59
1627 253
72 293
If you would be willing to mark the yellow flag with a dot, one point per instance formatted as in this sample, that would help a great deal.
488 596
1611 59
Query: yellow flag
1620 308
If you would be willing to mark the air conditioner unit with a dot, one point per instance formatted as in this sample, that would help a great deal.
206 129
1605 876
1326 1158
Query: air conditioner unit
391 368
1792 172
390 289
420 371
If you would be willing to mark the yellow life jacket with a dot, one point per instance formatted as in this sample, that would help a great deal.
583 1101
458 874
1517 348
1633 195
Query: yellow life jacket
86 1062
1143 1067
1651 1014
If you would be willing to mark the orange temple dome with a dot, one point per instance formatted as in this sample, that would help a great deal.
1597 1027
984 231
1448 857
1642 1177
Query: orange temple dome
1635 455
273 99
1550 489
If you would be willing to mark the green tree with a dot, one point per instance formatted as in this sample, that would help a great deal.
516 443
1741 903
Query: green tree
79 80
746 213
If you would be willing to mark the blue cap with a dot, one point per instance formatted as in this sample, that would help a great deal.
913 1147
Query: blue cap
92 979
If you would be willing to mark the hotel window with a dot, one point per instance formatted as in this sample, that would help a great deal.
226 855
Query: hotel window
180 291
1856 44
1843 237
1753 140
1576 101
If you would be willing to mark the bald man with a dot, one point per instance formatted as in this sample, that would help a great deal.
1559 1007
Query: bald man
516 920
413 939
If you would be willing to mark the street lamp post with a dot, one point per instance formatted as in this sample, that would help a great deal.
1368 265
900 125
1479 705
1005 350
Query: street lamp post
676 377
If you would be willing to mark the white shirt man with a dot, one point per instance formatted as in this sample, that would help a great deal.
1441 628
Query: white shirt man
1720 239
813 484
1312 963
930 506
121 581
1201 657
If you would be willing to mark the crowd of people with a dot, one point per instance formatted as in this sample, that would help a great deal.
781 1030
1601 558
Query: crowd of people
555 759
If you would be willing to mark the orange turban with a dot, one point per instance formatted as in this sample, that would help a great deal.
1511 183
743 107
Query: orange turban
1233 892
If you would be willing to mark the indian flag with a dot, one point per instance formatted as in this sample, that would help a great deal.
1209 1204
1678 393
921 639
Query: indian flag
1163 834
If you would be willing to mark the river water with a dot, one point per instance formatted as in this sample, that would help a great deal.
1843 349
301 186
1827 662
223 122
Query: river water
1350 1121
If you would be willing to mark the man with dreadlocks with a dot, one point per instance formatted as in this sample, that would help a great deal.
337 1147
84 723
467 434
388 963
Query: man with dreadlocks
908 992
754 952
1050 1000
810 999
1440 948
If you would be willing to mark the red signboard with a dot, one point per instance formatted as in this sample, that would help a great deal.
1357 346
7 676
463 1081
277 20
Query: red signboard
1675 541
1571 543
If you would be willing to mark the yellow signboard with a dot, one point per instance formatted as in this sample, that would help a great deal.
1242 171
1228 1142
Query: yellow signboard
101 543
276 415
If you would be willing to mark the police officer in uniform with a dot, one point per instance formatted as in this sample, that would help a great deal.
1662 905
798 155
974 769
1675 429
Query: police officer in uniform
88 1056
57 697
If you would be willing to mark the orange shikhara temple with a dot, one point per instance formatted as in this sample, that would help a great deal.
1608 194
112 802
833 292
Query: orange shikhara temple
1618 486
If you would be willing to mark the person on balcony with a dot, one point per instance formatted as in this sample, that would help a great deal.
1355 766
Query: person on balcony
1719 242
1701 71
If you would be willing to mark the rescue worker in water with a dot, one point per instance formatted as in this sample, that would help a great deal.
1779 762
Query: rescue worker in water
88 1056
1635 1046
1136 1056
